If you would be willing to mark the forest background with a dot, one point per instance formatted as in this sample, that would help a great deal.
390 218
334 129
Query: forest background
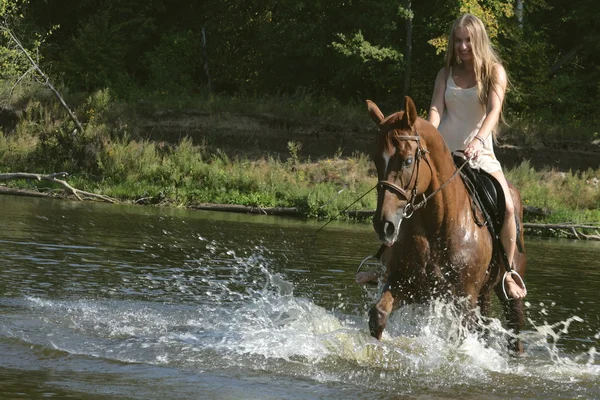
261 103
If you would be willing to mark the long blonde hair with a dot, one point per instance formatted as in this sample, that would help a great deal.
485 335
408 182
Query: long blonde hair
484 55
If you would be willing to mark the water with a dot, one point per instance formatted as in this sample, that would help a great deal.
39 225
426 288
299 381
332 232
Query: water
112 302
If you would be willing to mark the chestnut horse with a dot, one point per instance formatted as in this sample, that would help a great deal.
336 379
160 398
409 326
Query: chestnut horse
436 249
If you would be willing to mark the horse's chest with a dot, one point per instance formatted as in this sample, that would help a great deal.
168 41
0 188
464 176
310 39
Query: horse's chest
427 271
436 254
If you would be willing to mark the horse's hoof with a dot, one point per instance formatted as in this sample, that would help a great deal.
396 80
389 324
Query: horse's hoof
516 347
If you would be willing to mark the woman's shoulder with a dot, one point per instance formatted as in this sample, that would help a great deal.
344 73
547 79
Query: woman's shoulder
444 71
499 73
443 74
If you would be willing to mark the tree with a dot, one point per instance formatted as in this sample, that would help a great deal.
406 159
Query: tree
9 10
406 12
347 49
37 73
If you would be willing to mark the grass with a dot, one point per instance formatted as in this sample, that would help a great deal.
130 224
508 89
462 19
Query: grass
568 196
112 158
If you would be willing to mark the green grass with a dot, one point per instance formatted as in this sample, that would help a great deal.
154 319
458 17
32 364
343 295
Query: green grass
111 158
571 197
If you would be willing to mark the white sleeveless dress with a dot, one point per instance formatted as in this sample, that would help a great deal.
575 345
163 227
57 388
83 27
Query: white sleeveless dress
463 116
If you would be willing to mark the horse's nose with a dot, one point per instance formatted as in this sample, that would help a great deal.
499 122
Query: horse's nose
389 229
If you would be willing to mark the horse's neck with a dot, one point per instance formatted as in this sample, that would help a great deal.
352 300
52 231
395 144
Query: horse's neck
449 203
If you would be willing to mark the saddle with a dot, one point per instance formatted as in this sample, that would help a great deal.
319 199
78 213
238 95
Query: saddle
486 195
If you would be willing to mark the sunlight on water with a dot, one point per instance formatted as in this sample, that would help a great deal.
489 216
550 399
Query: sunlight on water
238 314
205 305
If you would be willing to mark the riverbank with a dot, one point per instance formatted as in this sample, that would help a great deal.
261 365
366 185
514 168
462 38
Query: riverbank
276 155
323 190
564 230
262 133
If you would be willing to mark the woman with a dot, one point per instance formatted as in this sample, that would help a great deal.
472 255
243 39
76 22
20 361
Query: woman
466 107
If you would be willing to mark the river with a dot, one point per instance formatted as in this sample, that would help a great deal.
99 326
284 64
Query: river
101 301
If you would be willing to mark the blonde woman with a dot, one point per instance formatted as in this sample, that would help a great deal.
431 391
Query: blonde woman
466 107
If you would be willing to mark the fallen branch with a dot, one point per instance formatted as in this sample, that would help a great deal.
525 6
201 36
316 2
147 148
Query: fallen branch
570 230
295 212
558 226
79 194
22 192
289 211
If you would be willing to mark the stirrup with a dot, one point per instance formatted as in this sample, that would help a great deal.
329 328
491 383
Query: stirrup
512 272
370 261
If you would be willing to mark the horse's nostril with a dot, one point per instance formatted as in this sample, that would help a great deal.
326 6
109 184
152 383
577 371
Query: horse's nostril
389 229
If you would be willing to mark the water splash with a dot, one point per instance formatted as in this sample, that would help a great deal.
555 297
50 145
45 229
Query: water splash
235 313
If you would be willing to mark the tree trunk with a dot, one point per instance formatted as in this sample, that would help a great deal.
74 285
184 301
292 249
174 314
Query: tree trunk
205 57
79 194
519 13
407 53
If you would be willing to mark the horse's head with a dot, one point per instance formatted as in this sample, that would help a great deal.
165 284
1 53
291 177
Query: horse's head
402 176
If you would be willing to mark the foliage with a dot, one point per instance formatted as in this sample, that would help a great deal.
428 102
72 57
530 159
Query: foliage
490 12
15 151
95 56
340 49
110 160
381 66
185 173
294 149
174 63
567 196
298 61
13 63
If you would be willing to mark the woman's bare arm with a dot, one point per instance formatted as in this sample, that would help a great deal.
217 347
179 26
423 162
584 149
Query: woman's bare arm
438 105
494 102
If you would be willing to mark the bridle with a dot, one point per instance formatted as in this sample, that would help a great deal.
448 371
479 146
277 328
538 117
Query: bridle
411 197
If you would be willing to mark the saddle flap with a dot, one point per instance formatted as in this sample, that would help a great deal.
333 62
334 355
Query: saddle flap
486 192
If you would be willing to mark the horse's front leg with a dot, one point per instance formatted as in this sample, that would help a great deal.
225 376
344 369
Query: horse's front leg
380 312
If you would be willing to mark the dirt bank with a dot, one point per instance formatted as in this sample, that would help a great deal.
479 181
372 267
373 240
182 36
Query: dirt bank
255 136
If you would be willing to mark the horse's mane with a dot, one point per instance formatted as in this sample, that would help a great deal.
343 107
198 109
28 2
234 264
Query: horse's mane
393 126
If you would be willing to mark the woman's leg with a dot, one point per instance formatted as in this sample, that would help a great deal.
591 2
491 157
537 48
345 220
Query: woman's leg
508 237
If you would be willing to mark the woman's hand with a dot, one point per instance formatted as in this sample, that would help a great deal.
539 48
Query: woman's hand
474 149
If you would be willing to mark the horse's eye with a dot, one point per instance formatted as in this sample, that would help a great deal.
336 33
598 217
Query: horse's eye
408 162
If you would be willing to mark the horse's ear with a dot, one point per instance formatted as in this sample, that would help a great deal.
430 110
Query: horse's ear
374 112
410 112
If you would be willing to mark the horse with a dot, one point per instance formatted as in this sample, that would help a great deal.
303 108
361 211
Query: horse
435 246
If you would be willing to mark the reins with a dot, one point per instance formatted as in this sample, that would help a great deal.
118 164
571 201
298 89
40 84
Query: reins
426 198
421 152
346 208
411 207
